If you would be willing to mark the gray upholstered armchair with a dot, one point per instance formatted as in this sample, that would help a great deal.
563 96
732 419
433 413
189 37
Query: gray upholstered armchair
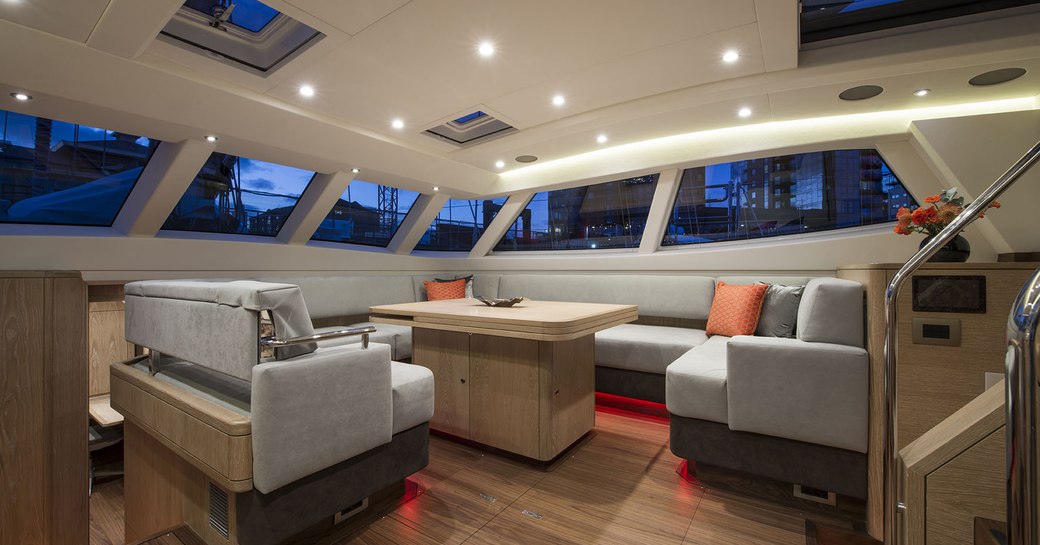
328 427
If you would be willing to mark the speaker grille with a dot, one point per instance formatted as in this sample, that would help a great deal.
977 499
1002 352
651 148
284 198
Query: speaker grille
218 510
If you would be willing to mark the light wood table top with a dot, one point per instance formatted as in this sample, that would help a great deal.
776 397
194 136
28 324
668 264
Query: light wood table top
100 408
537 320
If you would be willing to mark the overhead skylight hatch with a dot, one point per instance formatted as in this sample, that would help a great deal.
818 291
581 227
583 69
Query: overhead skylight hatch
246 34
471 129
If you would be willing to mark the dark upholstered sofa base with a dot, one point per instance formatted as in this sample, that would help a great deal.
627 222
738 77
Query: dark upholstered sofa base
269 519
826 468
634 384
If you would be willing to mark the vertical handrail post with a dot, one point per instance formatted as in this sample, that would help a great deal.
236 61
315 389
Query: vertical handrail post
1020 406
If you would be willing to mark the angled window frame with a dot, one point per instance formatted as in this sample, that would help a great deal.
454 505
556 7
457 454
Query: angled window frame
396 229
419 247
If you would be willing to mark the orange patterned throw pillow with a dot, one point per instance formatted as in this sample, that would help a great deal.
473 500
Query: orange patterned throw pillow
436 291
735 309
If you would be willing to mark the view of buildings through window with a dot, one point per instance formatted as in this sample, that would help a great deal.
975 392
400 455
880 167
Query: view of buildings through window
784 195
63 173
608 215
367 213
459 224
239 195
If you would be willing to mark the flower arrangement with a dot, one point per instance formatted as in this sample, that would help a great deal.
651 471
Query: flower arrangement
929 220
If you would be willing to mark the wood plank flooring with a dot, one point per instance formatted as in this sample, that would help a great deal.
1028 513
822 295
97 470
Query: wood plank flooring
619 486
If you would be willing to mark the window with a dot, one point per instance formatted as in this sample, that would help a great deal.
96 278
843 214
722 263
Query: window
366 214
459 224
803 193
609 215
239 195
61 173
251 36
828 19
249 14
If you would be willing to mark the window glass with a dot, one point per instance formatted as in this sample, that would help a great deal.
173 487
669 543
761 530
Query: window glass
239 195
784 195
601 216
62 173
366 214
248 14
459 224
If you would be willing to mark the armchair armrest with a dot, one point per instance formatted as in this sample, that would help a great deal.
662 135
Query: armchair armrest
806 391
314 411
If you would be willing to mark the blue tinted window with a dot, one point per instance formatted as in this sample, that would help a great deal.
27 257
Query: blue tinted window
609 215
239 195
63 173
459 224
784 195
366 214
248 14
470 117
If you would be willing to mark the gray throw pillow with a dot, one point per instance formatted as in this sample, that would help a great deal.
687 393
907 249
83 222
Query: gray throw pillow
779 311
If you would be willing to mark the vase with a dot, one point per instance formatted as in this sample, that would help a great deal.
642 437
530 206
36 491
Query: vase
955 251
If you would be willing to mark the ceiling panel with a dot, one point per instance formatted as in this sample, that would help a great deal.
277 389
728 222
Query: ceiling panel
350 16
71 20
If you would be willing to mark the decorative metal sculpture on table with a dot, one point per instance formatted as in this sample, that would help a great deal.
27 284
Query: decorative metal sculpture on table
493 302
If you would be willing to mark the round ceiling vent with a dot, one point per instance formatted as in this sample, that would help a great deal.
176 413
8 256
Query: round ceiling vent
861 92
526 158
994 77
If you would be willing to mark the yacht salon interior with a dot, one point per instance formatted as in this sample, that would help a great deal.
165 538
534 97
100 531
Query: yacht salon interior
491 272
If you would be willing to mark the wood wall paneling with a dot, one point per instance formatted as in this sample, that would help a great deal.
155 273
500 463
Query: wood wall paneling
971 485
107 342
23 447
43 398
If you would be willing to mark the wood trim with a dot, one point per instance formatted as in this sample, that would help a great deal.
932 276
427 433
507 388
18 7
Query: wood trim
228 422
226 459
100 409
503 332
875 344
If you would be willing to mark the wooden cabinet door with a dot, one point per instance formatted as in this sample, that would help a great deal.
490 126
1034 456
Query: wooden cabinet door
446 353
504 394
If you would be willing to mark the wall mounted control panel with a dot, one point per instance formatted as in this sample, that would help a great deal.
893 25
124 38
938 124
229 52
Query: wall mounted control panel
940 331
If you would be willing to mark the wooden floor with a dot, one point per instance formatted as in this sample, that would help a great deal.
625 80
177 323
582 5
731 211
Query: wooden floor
618 487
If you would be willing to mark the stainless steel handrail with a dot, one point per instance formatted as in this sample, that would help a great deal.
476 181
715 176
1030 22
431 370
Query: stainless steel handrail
275 342
1020 406
893 507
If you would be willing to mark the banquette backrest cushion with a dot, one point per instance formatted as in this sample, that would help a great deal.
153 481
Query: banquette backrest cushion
215 324
832 312
671 296
334 296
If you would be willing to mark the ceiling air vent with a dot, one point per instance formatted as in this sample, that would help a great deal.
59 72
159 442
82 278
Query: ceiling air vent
471 129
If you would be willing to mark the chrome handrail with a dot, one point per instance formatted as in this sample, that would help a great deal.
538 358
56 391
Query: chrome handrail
275 342
1020 406
893 507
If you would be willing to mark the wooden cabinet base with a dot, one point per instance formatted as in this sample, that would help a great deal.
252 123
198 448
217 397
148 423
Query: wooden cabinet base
529 397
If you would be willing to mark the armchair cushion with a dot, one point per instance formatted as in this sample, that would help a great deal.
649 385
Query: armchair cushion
413 395
812 392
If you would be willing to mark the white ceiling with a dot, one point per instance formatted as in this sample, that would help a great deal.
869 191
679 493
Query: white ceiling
631 69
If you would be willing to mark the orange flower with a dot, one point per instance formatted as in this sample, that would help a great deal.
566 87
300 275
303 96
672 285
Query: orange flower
922 216
995 204
900 229
948 212
932 199
902 213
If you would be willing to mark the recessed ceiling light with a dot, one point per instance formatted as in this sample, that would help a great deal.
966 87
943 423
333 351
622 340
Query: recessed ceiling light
559 100
922 92
602 139
211 138
486 49
744 112
526 158
397 124
355 170
21 96
730 56
306 90
435 188
500 164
